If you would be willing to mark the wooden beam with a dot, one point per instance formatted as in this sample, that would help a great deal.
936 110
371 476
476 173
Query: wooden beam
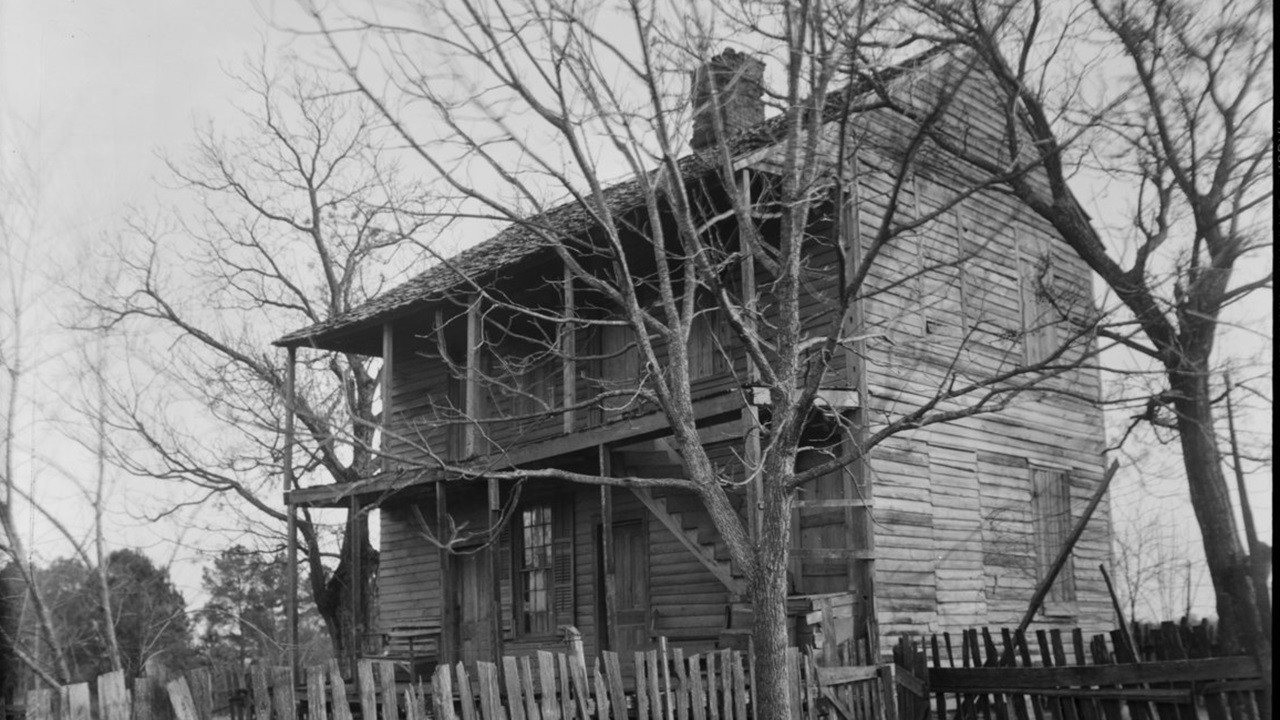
448 622
607 551
471 438
291 541
388 350
495 574
654 424
568 355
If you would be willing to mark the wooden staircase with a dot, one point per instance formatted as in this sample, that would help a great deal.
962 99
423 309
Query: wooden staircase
681 513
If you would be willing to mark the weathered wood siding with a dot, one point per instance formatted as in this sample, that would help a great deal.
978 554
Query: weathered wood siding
408 570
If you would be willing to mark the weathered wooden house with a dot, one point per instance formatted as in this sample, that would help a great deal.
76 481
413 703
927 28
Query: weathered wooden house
944 527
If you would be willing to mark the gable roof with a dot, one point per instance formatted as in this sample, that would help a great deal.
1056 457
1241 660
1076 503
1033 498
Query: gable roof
519 241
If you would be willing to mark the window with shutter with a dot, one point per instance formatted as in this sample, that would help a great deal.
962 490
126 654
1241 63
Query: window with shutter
541 570
1051 505
1040 315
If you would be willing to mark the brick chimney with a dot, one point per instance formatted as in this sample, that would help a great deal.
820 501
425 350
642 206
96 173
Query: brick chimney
738 82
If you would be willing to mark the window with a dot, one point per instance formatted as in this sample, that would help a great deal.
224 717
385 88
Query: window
1051 508
707 340
1040 312
538 550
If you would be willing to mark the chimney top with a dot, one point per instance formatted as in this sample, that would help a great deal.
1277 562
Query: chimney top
733 81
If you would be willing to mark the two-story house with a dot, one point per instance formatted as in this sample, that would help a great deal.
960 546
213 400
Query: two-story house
940 528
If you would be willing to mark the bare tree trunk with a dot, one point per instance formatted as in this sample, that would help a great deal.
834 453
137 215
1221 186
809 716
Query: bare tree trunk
1238 613
767 589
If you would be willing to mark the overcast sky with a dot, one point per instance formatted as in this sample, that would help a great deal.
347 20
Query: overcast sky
94 90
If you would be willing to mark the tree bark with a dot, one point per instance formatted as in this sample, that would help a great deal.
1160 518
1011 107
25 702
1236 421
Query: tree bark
1229 568
767 590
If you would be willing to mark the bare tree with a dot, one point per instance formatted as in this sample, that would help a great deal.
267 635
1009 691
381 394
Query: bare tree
533 107
296 219
1180 116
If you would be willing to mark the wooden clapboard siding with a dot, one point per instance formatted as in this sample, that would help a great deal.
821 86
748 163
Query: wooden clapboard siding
408 570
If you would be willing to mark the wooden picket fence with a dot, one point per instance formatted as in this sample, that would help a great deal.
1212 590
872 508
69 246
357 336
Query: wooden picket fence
1004 675
663 684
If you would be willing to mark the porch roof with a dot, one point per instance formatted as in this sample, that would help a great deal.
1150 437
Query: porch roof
356 330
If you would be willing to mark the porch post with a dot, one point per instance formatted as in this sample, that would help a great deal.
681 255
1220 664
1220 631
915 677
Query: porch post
291 541
568 351
750 413
495 574
447 621
471 438
606 550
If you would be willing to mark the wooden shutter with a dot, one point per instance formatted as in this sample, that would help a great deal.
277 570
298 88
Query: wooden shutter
562 561
505 597
1051 502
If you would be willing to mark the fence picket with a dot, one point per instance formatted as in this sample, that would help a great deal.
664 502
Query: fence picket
317 708
655 694
261 692
341 709
184 708
642 687
515 698
697 696
466 698
490 696
713 689
547 683
578 676
200 681
387 679
113 698
441 696
282 692
740 688
602 693
526 685
682 684
613 676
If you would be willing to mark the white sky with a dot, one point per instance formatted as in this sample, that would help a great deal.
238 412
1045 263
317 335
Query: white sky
95 89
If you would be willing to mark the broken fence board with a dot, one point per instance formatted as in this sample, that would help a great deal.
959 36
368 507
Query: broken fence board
184 708
113 698
317 708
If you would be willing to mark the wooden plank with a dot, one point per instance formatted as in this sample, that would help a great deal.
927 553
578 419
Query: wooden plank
740 688
387 689
341 708
113 698
547 683
150 700
441 695
368 690
601 691
654 680
713 689
697 692
262 692
726 684
317 706
200 682
74 702
792 660
184 708
526 687
466 697
490 694
282 693
515 698
642 687
578 674
566 694
613 676
682 685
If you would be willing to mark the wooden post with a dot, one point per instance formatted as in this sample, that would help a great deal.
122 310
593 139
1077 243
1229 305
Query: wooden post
606 549
471 440
448 620
495 574
388 352
568 352
750 413
291 540
1259 565
358 535
859 532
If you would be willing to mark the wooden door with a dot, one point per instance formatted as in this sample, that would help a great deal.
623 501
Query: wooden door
631 586
475 607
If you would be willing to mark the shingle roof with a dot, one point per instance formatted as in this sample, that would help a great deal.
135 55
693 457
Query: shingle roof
521 241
